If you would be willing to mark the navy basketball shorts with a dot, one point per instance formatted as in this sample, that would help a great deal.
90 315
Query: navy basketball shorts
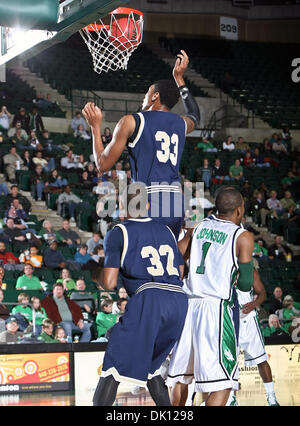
145 335
167 208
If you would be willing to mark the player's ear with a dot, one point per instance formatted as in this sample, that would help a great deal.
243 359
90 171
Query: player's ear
155 96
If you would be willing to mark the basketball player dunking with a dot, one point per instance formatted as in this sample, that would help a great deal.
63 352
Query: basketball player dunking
155 140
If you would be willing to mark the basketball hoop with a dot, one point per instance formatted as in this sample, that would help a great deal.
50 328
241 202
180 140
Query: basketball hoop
113 39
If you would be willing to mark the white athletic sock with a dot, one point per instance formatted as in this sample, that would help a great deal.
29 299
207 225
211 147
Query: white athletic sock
269 387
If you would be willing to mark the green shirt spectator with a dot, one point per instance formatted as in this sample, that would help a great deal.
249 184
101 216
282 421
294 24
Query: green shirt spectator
259 250
47 332
46 338
105 319
287 201
23 310
50 234
28 281
274 326
40 313
236 170
66 280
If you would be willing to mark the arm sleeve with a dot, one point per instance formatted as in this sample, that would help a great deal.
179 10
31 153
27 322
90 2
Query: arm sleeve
190 105
114 248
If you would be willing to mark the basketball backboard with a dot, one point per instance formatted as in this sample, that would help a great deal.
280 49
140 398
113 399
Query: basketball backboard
73 15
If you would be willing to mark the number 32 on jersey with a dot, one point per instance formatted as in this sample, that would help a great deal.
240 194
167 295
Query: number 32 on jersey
167 142
154 256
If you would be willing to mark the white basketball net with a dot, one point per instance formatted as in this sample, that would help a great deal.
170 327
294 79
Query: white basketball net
113 52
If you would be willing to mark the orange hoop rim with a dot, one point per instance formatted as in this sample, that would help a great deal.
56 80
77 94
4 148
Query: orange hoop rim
118 11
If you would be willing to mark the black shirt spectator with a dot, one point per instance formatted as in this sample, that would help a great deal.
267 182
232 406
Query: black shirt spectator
23 118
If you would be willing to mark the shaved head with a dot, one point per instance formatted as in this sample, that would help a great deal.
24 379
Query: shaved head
228 200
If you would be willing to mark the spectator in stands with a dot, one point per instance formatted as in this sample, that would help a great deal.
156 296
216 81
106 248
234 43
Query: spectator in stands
60 335
259 209
12 233
47 332
55 181
276 300
107 136
14 194
19 130
289 311
228 145
11 335
8 259
32 257
82 133
70 161
279 251
49 234
33 143
259 159
266 147
18 140
260 250
28 281
289 180
66 313
70 201
122 293
219 173
39 313
84 182
84 299
4 119
275 205
13 162
286 136
274 329
66 280
206 145
23 118
39 160
287 201
71 238
38 180
54 258
241 146
82 256
4 311
93 242
26 157
98 253
48 144
92 172
77 121
236 172
18 214
121 305
22 311
279 148
248 160
36 121
205 173
105 319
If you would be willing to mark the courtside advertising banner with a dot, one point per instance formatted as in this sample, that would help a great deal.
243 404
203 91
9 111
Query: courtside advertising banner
229 28
34 372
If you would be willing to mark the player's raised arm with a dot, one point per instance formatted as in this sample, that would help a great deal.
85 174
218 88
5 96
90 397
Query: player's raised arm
245 247
192 117
106 158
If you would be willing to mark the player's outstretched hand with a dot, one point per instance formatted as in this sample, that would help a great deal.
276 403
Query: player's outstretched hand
180 67
92 114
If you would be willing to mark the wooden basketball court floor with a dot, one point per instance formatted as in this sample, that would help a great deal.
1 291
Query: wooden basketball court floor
287 392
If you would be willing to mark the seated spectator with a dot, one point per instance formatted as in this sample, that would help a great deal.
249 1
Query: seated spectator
260 251
82 133
12 163
66 313
60 335
32 257
228 145
23 118
260 209
39 160
259 159
276 300
55 182
70 161
82 256
274 328
279 148
22 311
236 172
98 253
289 311
205 173
105 319
54 258
47 142
4 119
84 182
275 205
206 145
11 335
13 130
241 146
106 137
66 280
46 334
92 172
85 300
19 140
36 121
78 120
71 238
70 201
18 214
28 281
33 143
219 173
289 180
4 311
8 259
278 250
94 242
266 147
39 315
12 233
248 161
38 180
49 234
287 201
14 194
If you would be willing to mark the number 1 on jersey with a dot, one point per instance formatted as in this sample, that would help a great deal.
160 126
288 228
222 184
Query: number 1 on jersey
201 268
